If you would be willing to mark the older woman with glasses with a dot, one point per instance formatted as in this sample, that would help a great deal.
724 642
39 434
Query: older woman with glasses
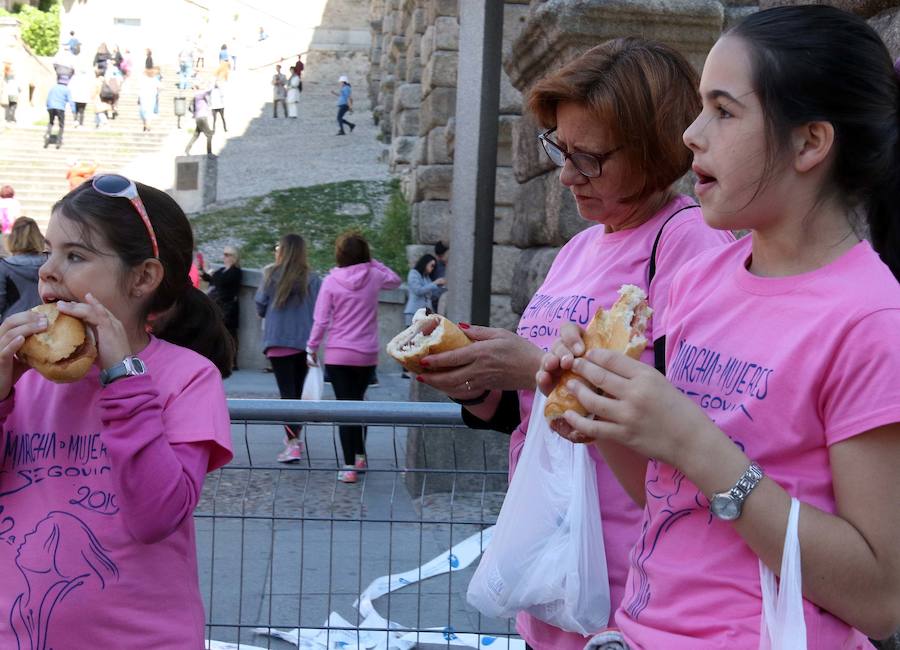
614 119
225 288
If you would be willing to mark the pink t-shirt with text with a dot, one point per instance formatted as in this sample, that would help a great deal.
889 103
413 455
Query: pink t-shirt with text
786 367
97 489
585 275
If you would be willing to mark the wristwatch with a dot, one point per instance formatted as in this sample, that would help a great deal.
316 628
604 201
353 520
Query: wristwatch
728 505
127 367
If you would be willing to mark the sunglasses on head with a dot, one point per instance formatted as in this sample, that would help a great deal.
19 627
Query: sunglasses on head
116 185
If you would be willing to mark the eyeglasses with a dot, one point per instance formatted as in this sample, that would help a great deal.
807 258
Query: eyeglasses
587 164
116 185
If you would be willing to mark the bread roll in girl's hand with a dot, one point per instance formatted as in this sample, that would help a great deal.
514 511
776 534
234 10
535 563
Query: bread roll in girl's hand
64 352
620 328
428 334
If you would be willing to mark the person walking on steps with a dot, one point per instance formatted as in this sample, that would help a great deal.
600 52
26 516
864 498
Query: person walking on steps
279 92
57 100
344 104
202 112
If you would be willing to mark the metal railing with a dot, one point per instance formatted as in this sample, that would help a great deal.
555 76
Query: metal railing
289 555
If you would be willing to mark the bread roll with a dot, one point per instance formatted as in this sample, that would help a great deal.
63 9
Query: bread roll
428 334
620 328
64 352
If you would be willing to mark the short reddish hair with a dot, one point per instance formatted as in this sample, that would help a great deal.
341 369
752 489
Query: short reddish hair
644 93
7 192
351 248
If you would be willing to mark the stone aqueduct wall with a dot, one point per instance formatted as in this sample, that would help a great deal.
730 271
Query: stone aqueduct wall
412 87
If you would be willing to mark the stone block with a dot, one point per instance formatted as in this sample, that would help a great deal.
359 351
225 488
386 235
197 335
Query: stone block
446 33
514 18
415 251
529 159
450 134
503 218
432 219
864 8
887 24
417 22
555 32
506 189
402 149
426 45
437 153
562 210
503 265
406 123
440 70
531 269
419 152
432 182
501 314
407 96
510 98
504 140
529 225
438 106
438 8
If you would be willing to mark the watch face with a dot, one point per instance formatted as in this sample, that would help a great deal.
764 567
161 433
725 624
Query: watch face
138 365
725 507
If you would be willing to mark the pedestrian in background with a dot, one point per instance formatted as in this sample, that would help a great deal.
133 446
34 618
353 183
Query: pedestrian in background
217 104
420 286
10 208
293 96
347 310
9 93
101 59
148 97
201 111
19 271
344 104
81 88
57 99
442 256
279 92
286 299
225 288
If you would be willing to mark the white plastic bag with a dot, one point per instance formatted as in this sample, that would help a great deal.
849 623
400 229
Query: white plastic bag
546 556
314 384
783 626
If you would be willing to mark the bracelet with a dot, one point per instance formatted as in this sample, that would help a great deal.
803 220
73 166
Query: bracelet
475 400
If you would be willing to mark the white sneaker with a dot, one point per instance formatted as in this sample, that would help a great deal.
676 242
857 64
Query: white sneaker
293 451
347 475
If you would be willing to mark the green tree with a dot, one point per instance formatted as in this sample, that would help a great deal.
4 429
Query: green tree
40 29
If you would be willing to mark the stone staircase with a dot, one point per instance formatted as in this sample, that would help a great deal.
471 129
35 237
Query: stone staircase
38 175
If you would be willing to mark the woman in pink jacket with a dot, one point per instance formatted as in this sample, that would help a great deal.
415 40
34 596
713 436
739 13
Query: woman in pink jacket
347 308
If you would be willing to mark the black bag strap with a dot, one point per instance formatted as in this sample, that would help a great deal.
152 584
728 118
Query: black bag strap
659 345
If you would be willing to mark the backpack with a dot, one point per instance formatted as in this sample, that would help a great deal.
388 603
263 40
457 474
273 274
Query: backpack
106 92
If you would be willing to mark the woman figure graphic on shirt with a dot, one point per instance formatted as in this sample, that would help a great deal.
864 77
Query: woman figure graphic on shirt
783 352
127 449
51 575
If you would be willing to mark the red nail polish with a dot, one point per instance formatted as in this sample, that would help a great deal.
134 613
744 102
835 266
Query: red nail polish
418 378
464 326
423 363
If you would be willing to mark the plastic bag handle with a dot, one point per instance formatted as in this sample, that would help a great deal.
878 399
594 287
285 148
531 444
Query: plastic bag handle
782 626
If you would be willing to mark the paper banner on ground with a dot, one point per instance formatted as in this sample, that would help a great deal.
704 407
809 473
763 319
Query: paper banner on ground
397 637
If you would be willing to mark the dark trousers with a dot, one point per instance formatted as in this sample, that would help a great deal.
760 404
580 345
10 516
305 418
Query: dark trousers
204 128
342 110
56 114
290 373
275 104
350 383
217 113
79 112
11 111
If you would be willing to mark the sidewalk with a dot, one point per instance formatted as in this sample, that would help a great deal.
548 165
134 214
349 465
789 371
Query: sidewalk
261 385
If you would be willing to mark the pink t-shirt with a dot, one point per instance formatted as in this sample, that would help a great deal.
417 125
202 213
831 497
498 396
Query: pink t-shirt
97 489
786 367
585 275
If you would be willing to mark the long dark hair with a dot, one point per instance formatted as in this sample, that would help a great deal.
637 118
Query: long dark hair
422 264
290 273
818 63
180 313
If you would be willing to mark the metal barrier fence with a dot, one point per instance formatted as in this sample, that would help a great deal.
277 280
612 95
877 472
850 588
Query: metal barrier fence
290 556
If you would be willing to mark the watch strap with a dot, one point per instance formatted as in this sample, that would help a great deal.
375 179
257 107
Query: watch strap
127 367
739 492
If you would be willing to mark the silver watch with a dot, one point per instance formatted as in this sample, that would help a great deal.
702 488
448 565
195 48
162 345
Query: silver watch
728 505
127 367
